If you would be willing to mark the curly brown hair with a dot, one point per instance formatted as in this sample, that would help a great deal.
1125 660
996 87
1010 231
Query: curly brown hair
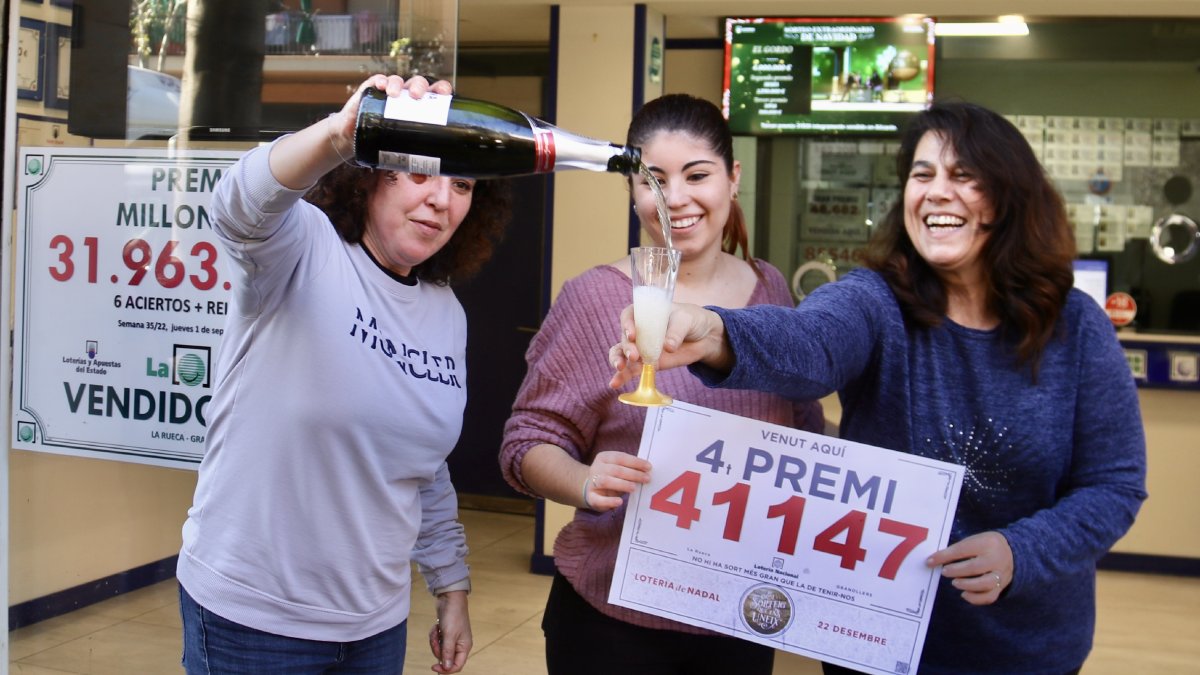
342 195
1027 258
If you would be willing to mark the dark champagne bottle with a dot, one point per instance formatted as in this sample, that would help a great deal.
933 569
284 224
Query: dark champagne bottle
456 136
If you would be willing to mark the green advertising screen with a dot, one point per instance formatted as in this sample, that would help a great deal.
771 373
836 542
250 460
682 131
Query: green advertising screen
826 76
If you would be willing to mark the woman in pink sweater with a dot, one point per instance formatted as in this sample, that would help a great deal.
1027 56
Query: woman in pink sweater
571 441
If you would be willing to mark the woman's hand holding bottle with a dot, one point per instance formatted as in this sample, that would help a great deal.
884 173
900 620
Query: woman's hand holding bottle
341 124
299 160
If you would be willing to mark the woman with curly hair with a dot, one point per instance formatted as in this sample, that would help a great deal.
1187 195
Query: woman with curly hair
340 390
963 340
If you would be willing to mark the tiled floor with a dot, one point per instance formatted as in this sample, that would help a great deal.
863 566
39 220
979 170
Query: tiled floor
1147 624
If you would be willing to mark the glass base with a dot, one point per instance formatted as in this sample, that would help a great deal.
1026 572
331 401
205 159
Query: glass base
646 394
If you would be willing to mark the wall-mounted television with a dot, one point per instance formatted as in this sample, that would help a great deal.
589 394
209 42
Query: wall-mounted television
863 76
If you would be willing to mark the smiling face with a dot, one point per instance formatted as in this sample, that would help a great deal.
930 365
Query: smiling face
412 216
698 188
946 211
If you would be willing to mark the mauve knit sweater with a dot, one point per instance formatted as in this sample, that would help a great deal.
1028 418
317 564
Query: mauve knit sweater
565 401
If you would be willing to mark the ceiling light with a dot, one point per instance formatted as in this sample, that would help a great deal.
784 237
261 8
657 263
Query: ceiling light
1005 26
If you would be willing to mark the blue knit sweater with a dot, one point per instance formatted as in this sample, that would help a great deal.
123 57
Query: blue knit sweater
1058 467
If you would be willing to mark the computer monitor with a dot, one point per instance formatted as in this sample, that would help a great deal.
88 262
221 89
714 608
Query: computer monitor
1092 277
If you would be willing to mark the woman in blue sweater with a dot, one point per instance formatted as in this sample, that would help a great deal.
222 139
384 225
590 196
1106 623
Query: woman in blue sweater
963 340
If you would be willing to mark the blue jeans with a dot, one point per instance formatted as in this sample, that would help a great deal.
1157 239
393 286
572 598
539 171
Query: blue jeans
213 645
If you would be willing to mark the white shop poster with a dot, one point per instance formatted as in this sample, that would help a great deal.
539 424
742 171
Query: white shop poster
121 294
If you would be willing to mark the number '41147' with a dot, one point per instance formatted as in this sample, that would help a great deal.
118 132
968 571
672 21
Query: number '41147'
679 498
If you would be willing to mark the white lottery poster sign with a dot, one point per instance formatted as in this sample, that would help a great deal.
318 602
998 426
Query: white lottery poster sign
121 294
802 542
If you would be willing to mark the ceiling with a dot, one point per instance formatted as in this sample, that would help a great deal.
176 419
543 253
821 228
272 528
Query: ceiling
527 22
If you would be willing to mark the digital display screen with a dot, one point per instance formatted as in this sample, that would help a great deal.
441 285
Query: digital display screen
1091 277
826 76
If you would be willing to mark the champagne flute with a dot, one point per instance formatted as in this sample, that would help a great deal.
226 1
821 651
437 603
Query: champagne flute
654 271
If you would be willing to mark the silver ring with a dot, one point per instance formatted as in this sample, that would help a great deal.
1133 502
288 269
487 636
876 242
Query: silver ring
997 579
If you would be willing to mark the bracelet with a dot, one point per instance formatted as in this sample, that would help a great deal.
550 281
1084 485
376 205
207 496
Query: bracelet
586 482
329 133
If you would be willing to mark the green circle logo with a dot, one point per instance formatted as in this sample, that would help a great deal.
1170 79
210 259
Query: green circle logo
190 369
26 434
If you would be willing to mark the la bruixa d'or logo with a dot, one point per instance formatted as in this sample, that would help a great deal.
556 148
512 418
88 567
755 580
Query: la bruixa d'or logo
766 610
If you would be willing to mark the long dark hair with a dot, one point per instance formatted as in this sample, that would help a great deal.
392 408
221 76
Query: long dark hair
700 119
342 195
1027 258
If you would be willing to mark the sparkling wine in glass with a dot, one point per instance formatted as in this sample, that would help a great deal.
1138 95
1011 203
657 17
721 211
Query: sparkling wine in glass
654 271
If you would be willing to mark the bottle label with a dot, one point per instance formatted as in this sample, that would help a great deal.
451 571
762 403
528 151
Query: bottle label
543 144
431 108
395 161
